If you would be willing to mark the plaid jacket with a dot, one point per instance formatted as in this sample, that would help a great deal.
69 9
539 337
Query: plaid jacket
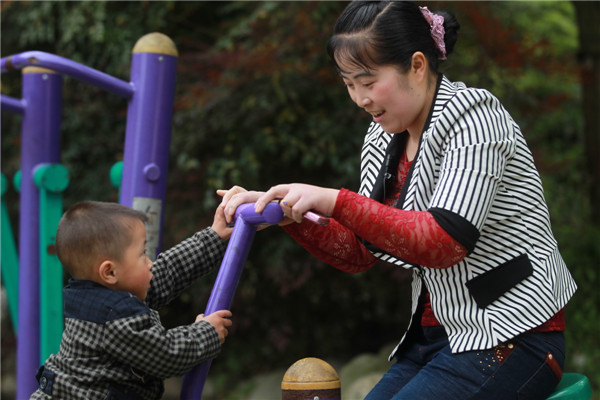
114 345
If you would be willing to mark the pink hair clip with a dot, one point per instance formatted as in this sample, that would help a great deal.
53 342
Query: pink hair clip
436 22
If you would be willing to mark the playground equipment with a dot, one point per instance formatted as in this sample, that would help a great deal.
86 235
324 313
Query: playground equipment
246 222
311 378
572 386
150 95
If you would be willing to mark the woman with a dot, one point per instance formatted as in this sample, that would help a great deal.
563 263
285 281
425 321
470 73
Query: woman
449 190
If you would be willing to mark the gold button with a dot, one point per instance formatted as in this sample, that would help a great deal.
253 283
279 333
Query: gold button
510 345
550 356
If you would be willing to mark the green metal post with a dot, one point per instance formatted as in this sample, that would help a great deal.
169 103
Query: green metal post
51 180
10 262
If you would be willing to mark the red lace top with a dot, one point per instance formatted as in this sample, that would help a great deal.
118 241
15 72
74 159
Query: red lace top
413 236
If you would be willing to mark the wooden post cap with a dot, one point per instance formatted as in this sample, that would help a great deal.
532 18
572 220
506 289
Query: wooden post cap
310 378
156 42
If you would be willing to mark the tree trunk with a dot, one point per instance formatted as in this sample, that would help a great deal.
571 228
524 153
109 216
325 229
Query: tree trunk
588 15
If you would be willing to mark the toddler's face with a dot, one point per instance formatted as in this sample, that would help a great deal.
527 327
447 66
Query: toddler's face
134 268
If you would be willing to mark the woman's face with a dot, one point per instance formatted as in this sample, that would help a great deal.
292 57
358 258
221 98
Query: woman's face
394 99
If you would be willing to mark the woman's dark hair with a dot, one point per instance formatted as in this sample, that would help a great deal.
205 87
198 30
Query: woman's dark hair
370 33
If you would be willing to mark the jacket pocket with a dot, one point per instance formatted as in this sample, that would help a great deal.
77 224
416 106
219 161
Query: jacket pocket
489 286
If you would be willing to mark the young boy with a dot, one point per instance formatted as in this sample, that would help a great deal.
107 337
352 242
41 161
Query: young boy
114 345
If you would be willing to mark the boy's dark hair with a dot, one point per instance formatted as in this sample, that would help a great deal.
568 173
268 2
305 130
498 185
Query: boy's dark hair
371 33
91 231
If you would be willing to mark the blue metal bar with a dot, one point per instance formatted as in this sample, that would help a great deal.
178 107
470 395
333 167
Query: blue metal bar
228 278
68 67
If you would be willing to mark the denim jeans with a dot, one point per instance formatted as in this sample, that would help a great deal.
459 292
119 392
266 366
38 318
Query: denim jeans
528 366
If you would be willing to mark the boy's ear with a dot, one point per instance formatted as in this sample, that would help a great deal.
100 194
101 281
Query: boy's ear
108 272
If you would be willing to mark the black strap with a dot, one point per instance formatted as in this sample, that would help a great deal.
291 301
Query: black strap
45 379
118 392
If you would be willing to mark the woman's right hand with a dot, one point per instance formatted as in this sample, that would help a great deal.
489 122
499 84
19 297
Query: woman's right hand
298 198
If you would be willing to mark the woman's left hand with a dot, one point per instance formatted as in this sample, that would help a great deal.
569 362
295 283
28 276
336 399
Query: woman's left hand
297 198
235 197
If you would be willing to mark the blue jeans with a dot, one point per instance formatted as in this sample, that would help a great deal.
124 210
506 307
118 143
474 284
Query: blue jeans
528 366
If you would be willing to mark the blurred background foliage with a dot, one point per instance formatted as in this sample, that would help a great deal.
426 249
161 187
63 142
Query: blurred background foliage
258 103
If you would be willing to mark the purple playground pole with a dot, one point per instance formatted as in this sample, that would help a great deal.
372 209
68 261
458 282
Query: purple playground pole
148 133
40 143
228 278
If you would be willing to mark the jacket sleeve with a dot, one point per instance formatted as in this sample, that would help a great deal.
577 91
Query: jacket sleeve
475 139
413 236
145 345
178 267
335 244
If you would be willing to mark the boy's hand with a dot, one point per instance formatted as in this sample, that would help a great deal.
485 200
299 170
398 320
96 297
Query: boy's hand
219 224
237 193
220 320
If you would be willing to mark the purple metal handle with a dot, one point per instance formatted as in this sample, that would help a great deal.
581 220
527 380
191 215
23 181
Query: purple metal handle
228 278
69 67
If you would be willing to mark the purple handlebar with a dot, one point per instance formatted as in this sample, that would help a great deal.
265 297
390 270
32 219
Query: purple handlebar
233 262
68 67
247 220
11 104
271 214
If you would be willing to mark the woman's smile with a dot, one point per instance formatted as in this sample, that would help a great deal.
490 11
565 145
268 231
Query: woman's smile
377 116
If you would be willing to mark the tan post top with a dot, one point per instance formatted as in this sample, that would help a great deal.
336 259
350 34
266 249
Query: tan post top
310 374
155 42
37 70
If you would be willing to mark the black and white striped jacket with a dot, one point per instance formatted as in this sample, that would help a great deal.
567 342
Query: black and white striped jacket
475 174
